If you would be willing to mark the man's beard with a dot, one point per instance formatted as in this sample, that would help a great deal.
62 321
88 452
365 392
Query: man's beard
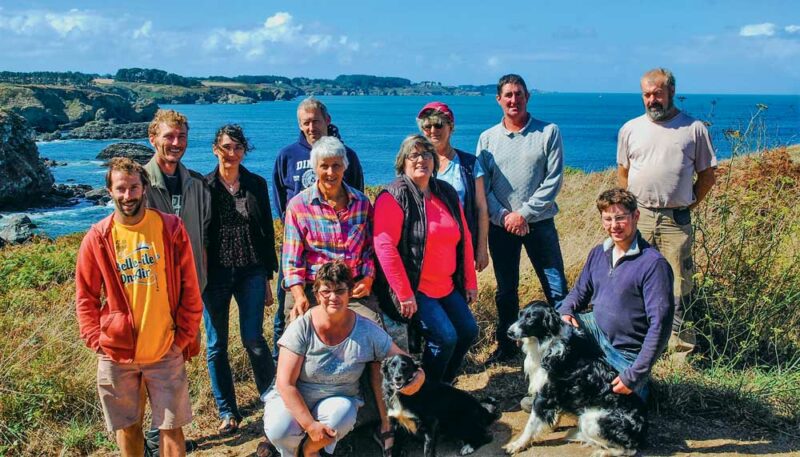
657 112
136 208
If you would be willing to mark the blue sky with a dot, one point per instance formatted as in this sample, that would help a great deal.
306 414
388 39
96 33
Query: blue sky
712 46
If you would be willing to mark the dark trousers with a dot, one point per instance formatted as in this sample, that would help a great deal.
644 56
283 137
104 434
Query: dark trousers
541 245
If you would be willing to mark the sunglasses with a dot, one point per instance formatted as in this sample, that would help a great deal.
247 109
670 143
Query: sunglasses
435 125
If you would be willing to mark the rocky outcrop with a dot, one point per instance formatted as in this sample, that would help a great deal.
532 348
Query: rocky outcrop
24 178
235 99
105 130
134 151
49 108
17 229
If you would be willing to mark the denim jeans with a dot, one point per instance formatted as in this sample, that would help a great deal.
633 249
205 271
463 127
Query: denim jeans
248 286
620 360
544 252
279 320
449 329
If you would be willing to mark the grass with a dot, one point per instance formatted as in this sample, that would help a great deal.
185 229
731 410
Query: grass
748 370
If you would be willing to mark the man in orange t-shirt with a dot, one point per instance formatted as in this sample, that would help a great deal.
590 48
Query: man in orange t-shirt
147 327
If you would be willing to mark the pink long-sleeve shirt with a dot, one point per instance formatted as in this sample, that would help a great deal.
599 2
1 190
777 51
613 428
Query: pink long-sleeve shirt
439 262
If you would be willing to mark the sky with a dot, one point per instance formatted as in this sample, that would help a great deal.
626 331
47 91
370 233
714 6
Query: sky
712 46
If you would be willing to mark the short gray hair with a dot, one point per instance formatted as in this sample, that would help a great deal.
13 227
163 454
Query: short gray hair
328 147
662 72
313 104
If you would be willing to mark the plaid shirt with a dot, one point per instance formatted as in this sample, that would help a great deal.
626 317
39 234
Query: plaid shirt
314 234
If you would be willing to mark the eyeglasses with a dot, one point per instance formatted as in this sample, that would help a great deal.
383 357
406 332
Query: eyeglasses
328 293
414 156
436 125
619 219
232 147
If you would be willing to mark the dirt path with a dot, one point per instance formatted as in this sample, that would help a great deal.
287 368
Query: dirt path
668 436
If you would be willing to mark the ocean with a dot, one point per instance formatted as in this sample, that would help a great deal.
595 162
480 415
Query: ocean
374 126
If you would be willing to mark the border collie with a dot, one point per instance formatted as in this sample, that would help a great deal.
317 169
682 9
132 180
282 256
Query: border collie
436 408
568 374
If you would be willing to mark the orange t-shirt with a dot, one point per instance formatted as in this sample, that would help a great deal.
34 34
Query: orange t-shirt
140 262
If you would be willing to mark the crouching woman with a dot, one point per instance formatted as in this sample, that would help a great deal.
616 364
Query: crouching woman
322 356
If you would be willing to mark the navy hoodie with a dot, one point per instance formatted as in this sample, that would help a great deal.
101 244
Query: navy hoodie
293 172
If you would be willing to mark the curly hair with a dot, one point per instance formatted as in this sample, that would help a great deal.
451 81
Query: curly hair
127 166
334 272
169 117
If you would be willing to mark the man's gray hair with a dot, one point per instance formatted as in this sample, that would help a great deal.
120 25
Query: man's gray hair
662 72
328 147
313 104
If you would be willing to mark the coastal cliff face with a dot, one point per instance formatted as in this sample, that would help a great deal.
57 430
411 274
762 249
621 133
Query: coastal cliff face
24 178
50 108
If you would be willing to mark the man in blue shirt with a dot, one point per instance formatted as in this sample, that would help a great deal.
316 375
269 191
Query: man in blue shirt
628 285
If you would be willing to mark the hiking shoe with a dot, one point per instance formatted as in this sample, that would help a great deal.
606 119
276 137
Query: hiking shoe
526 404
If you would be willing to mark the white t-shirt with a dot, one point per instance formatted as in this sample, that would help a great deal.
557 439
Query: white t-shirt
662 158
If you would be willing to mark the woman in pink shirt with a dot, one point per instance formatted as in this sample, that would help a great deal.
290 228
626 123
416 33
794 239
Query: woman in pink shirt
425 250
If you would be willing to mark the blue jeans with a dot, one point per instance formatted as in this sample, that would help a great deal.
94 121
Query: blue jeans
248 286
620 360
449 329
279 320
544 252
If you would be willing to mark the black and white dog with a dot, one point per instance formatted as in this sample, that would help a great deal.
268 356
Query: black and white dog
567 374
436 408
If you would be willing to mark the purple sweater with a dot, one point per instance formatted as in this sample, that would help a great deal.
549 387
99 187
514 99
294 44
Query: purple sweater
633 303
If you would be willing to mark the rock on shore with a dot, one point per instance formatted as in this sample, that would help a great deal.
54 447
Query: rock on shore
24 178
104 130
134 151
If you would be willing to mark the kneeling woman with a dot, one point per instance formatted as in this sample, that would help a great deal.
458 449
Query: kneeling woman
425 250
322 356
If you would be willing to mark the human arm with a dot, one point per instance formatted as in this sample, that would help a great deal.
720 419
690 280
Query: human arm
293 261
270 256
705 181
289 366
190 302
622 177
659 305
389 221
495 210
482 245
279 191
88 285
544 196
581 294
363 287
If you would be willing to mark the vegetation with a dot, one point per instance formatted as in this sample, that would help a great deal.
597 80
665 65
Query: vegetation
747 371
154 76
65 78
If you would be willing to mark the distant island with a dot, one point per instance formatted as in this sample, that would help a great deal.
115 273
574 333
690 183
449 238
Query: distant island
95 106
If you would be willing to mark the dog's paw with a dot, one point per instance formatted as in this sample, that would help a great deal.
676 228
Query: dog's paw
466 450
515 447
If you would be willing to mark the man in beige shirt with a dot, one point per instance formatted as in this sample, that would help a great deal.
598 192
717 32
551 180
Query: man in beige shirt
658 155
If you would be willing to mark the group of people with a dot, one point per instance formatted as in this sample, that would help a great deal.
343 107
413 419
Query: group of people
359 282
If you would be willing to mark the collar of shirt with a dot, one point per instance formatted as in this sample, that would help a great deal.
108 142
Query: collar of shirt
316 196
521 131
632 250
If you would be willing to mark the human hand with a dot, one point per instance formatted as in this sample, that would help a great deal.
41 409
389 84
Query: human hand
300 305
268 298
408 307
569 320
481 259
318 431
619 388
516 224
363 287
416 383
472 295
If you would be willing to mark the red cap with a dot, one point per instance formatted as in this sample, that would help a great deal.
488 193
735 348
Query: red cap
437 106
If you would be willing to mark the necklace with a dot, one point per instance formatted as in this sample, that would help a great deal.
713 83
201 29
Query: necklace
231 186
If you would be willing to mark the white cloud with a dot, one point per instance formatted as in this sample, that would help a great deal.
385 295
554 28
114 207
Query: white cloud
278 32
144 30
42 22
765 29
792 28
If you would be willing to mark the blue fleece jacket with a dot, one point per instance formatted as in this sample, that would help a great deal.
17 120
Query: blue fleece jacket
293 173
632 301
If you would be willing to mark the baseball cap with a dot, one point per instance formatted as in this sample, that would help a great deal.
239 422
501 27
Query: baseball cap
440 107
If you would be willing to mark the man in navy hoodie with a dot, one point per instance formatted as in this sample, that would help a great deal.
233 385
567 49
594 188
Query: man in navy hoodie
628 283
293 173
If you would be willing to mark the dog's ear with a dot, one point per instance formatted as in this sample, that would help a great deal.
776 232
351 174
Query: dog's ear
385 367
552 321
555 355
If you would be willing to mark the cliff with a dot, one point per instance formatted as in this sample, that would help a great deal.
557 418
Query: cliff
24 178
